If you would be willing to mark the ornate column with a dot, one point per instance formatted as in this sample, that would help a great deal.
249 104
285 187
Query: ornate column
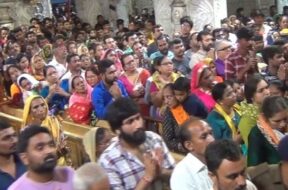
206 12
281 4
178 10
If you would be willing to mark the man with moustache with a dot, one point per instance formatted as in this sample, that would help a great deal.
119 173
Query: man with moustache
195 135
227 167
163 48
242 62
11 166
205 40
138 159
37 150
108 89
181 62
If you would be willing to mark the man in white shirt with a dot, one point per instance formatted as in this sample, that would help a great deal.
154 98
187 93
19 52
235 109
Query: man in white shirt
74 66
227 167
59 58
191 173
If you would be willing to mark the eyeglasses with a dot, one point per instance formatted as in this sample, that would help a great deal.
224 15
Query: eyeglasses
225 48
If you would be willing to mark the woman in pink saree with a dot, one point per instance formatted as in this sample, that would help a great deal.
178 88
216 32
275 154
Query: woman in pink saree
80 102
202 84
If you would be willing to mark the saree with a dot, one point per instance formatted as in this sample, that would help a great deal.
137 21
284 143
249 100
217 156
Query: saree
50 122
89 142
39 77
80 107
204 96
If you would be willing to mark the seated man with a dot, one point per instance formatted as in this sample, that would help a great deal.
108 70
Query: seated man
11 167
138 158
191 104
226 165
108 89
191 173
37 150
90 176
56 92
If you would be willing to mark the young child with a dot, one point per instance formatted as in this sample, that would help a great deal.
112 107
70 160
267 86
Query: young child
28 85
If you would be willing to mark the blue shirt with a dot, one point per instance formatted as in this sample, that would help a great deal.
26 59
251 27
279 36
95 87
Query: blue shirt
170 55
101 98
6 179
57 100
193 106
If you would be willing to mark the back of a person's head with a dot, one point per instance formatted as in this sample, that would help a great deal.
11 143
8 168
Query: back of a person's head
273 105
244 33
27 134
120 110
250 86
182 84
218 91
220 150
87 175
184 134
104 65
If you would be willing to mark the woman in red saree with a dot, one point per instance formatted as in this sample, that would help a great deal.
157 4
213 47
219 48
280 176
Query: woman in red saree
202 84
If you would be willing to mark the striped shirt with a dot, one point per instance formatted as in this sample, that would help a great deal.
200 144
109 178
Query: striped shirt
124 169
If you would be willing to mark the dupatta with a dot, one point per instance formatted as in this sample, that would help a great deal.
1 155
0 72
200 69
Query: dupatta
204 96
89 142
227 118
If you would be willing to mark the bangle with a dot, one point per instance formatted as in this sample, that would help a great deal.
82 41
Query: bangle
147 179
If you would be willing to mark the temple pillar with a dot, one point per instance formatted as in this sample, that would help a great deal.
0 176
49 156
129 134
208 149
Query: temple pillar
281 4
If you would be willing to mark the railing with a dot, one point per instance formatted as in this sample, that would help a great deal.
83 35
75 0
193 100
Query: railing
74 132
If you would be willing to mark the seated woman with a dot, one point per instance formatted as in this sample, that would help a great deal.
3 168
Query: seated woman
55 93
37 65
95 141
28 85
36 113
13 72
270 129
134 80
163 75
202 84
174 116
224 119
23 63
92 76
255 91
80 103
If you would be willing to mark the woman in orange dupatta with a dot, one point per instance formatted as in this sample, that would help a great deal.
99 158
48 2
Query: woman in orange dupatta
174 116
271 127
202 84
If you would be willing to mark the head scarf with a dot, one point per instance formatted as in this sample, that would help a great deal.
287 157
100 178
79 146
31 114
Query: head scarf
89 142
196 73
30 78
49 122
117 63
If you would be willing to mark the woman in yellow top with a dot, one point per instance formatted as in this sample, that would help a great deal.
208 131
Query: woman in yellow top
36 113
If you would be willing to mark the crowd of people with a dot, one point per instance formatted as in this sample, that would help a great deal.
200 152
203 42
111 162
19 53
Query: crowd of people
219 93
